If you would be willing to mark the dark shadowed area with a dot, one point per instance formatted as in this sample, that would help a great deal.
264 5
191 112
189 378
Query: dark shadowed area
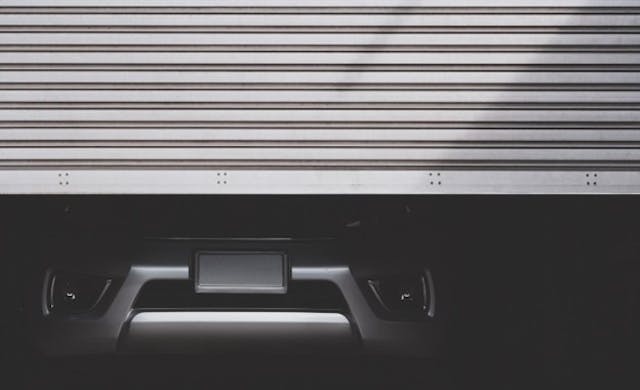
535 292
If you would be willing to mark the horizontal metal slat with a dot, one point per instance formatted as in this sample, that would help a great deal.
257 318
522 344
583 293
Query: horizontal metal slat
392 21
330 181
317 58
305 115
318 3
235 96
300 77
130 136
316 154
353 39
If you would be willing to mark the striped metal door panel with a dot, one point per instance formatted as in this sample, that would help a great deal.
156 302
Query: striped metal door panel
319 96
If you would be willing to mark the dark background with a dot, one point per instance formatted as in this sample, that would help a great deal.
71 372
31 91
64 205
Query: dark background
538 291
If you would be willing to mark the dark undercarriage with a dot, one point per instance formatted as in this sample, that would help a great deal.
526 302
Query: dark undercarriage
532 291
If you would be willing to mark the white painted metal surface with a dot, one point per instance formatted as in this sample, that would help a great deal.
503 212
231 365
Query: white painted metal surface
325 181
320 96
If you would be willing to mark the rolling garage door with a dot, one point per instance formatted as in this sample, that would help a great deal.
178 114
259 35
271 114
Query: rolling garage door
319 96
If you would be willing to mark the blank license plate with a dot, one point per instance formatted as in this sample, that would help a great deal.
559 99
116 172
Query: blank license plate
241 272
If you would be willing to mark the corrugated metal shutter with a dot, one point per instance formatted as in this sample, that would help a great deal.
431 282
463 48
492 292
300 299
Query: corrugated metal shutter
495 95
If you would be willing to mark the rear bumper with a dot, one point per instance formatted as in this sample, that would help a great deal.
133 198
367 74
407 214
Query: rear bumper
123 328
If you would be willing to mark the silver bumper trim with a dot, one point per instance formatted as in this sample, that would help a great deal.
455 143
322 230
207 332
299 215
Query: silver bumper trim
213 331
